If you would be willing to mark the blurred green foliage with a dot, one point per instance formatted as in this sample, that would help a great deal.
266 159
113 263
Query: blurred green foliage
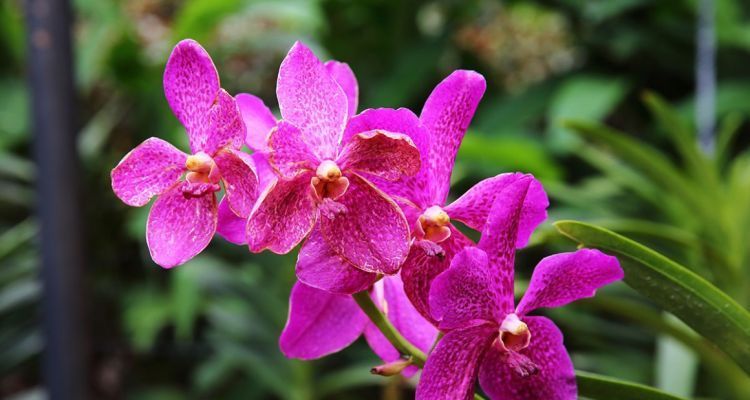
209 329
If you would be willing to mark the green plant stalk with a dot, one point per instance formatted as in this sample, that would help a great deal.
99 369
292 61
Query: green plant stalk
404 347
390 332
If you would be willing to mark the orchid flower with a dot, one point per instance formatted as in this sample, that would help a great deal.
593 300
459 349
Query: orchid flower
259 121
445 117
183 218
321 323
320 161
515 356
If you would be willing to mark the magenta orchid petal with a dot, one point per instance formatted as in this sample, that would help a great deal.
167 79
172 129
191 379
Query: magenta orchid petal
562 278
225 127
263 169
180 225
446 115
284 214
312 101
320 267
463 294
420 269
554 379
146 171
371 230
290 153
240 180
230 226
452 367
344 76
404 317
499 238
320 323
474 206
258 119
191 86
381 153
403 121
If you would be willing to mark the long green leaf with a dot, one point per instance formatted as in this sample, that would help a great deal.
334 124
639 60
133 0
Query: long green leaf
698 303
646 159
600 387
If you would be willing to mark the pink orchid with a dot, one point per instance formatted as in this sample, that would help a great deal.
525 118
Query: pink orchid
321 161
183 219
515 356
322 323
259 121
445 117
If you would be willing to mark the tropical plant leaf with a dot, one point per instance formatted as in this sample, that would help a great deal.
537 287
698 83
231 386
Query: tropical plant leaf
698 303
599 387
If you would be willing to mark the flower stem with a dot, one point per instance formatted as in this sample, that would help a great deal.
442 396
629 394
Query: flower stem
404 347
390 332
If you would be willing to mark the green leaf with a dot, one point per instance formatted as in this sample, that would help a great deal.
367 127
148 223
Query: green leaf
197 18
586 97
598 387
698 303
648 161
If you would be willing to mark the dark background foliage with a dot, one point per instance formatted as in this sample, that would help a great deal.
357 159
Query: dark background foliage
209 329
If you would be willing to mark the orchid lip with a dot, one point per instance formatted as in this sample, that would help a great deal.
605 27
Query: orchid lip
329 181
433 224
514 334
201 168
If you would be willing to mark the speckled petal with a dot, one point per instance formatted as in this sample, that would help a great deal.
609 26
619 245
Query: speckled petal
463 294
180 225
312 101
451 370
562 278
320 267
240 182
284 215
446 115
344 76
266 173
230 226
320 323
225 126
146 171
404 318
555 379
372 233
499 239
290 152
402 120
191 86
258 119
474 206
420 270
381 153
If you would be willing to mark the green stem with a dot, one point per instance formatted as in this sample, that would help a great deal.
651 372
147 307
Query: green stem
390 332
365 302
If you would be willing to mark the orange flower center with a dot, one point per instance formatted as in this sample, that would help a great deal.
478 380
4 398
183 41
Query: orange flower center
514 334
328 181
201 168
434 224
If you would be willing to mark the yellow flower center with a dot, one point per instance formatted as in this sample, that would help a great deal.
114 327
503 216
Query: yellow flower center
434 224
328 181
202 168
514 334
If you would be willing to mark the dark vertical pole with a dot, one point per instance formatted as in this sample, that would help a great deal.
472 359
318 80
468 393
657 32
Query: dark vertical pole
58 202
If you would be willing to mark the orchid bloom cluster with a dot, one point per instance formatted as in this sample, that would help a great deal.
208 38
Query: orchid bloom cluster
366 196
